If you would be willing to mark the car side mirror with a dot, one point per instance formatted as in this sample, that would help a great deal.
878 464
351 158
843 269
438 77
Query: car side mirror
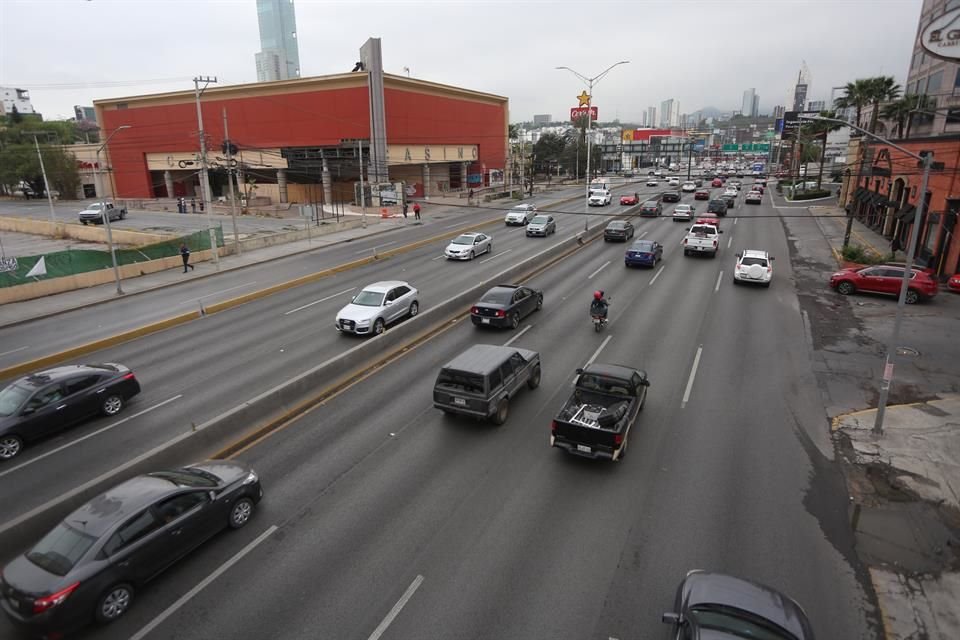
739 255
772 258
28 410
719 230
212 495
645 382
579 370
671 618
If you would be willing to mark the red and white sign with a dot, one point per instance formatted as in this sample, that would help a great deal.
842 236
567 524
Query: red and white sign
579 112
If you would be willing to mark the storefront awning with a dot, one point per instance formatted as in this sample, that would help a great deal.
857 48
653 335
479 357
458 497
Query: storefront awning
907 214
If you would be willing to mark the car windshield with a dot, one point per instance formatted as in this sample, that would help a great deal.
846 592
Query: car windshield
12 398
369 299
60 549
747 261
642 245
541 219
497 296
737 623
464 239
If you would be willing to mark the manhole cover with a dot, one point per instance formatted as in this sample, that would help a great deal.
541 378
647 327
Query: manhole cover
908 352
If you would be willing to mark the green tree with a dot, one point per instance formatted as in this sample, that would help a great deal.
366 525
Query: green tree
817 130
881 89
857 95
547 151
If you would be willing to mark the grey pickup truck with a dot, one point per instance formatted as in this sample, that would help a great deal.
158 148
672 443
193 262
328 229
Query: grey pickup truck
595 422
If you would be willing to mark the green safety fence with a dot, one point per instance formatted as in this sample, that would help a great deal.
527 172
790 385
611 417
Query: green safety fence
14 271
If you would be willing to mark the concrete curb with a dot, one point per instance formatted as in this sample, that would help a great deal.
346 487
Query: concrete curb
276 406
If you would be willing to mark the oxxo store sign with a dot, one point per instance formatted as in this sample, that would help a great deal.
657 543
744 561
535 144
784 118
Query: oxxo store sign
941 38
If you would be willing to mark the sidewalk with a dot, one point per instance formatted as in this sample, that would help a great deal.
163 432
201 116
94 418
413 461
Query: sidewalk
905 494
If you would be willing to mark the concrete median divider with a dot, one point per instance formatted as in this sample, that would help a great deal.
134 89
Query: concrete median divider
253 419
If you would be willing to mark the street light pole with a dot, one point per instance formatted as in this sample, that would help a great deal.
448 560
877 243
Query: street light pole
590 82
46 186
103 208
927 161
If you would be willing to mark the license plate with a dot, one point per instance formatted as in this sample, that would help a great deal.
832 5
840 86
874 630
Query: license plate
583 448
485 320
460 402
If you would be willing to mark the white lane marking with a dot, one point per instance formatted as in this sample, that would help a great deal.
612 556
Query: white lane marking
203 584
602 267
729 241
310 304
245 284
374 249
395 611
6 353
496 255
88 436
437 258
458 224
693 374
736 220
525 329
719 275
643 234
597 352
654 279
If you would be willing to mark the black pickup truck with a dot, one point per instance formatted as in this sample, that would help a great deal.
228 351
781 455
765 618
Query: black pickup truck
595 422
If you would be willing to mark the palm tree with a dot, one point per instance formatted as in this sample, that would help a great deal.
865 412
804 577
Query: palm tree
856 96
898 111
820 129
882 89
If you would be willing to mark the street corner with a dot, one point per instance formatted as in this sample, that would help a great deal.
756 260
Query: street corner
920 606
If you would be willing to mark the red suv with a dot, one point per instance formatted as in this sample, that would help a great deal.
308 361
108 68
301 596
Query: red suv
885 278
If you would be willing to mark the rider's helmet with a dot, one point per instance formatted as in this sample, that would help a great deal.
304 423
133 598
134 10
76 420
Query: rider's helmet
598 295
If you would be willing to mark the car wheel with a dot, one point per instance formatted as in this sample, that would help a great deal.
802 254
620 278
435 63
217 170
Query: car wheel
114 603
378 327
471 254
912 297
241 512
534 381
539 303
83 222
112 404
123 214
766 285
10 446
503 410
846 288
515 320
414 308
735 281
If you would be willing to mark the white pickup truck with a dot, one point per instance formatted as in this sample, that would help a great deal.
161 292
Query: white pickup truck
702 239
599 198
95 212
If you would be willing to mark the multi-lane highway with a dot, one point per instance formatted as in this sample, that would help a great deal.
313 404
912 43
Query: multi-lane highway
383 518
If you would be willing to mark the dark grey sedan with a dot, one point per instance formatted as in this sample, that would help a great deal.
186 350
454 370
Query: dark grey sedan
715 606
90 565
505 305
618 230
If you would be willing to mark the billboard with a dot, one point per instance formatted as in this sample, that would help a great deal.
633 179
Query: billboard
941 38
791 123
579 112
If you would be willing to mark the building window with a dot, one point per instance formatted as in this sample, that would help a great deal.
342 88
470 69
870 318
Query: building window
953 116
934 82
921 86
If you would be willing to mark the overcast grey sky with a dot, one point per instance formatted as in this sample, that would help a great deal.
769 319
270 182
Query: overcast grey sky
704 53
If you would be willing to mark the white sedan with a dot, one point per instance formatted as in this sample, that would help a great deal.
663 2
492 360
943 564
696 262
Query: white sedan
754 197
730 192
652 182
467 246
683 212
689 187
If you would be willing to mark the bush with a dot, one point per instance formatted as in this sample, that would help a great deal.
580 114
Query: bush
811 194
862 255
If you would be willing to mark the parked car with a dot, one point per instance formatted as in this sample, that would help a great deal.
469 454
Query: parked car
481 381
618 230
714 606
520 215
630 199
953 284
753 266
671 196
718 207
542 225
651 208
378 305
644 253
45 402
467 246
92 564
505 305
701 194
753 197
683 212
95 211
886 279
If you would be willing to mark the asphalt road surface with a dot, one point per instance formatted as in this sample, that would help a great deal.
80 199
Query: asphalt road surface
383 518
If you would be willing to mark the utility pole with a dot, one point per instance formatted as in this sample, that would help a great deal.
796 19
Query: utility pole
46 184
363 198
523 176
228 148
204 176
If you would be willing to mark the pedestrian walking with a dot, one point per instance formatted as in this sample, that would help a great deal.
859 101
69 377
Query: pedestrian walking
201 206
470 197
185 255
416 210
193 205
405 205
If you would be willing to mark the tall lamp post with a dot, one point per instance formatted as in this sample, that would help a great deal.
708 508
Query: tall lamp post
590 82
926 160
105 213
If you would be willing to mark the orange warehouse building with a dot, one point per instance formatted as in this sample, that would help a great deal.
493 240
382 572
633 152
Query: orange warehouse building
293 139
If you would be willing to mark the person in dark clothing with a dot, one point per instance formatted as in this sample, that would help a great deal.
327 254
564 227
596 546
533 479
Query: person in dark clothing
405 205
193 205
201 206
185 254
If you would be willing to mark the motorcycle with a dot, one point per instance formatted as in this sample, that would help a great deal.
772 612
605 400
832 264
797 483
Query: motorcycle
598 321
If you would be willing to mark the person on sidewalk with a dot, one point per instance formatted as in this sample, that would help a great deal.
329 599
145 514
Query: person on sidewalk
185 254
193 205
405 205
201 206
470 197
416 210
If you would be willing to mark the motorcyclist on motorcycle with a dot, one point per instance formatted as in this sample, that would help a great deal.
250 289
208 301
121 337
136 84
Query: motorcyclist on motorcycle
599 305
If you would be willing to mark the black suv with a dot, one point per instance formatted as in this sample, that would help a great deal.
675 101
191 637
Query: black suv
481 381
42 403
718 207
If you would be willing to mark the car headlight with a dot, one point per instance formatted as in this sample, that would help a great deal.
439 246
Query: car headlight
251 478
362 323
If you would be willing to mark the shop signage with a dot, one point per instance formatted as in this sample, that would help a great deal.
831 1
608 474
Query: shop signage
941 38
579 112
425 154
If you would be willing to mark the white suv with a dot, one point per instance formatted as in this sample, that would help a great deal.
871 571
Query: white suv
599 198
521 215
753 266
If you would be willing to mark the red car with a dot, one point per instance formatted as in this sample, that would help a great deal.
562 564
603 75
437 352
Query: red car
758 187
709 218
701 194
717 182
885 278
628 199
953 284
